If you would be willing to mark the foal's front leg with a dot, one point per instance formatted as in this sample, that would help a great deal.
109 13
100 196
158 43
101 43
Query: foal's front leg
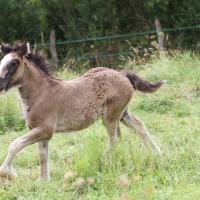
35 135
44 160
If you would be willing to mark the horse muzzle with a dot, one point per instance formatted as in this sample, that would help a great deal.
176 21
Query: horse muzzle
4 82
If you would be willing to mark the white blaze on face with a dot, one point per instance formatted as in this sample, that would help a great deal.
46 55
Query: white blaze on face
3 65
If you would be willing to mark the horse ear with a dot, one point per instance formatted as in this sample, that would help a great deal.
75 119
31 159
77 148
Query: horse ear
22 49
5 48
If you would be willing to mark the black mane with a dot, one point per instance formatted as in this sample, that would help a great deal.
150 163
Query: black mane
39 60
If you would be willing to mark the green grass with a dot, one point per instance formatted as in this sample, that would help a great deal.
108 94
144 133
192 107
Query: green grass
172 117
10 114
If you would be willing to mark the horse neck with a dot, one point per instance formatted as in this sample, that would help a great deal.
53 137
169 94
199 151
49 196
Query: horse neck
33 84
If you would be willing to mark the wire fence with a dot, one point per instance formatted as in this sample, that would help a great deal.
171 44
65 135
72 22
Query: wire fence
116 37
83 57
119 36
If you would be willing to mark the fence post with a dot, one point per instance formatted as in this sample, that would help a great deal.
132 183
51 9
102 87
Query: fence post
159 34
53 50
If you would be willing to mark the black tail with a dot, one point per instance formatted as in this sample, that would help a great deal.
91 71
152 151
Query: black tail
141 84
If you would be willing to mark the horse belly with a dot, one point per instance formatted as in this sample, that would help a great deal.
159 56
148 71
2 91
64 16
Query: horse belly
79 119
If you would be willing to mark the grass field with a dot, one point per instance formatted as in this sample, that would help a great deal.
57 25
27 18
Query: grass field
131 172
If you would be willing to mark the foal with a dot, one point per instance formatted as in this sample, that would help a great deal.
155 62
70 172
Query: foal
51 105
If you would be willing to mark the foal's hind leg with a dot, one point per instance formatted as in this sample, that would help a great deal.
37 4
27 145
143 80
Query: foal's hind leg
119 132
111 127
133 122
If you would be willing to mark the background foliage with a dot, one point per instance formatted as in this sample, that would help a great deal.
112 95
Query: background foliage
34 19
82 19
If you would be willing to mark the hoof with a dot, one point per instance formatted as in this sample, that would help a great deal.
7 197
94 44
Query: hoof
7 174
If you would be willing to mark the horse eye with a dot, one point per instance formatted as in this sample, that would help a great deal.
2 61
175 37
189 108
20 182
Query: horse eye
15 63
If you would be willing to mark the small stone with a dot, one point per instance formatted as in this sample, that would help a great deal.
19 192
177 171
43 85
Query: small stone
124 197
123 180
66 186
69 175
78 184
90 181
150 190
136 178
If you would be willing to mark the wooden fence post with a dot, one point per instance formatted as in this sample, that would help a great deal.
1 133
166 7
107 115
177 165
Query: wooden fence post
54 55
159 34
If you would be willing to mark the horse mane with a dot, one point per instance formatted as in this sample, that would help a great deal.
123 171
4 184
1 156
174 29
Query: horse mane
40 61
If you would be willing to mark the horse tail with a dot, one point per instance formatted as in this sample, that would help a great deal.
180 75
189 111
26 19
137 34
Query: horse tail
141 84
